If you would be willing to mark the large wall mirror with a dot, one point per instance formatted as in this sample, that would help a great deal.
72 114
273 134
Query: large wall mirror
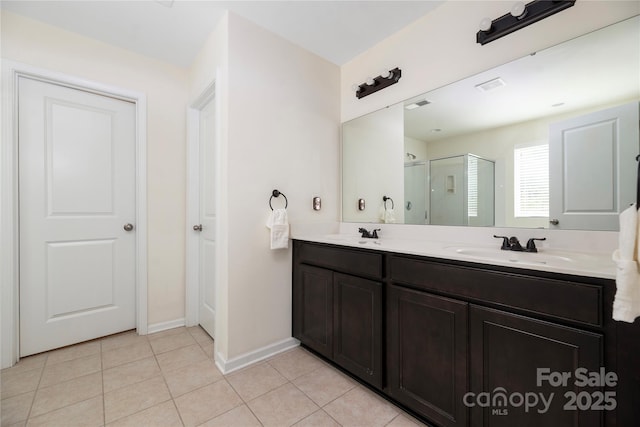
548 140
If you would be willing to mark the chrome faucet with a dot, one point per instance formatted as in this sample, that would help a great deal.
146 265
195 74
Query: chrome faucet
513 244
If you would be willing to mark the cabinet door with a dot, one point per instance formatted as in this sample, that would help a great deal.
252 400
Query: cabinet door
506 352
427 354
313 308
357 325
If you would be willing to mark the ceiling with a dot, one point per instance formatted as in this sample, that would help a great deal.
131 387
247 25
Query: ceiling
174 31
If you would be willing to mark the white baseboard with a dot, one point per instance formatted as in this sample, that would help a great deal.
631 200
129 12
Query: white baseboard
163 326
239 362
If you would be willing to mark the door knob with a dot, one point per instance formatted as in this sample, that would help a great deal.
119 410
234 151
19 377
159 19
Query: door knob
554 222
197 227
128 227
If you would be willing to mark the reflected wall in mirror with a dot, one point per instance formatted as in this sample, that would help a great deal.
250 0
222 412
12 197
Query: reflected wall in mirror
559 128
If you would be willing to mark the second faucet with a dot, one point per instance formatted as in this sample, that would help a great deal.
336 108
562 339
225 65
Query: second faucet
513 244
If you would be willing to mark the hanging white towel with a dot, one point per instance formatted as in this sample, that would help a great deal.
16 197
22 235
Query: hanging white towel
626 305
279 225
387 216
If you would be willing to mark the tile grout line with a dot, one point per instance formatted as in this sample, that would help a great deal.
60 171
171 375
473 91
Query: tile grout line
104 409
244 402
291 381
223 378
321 408
392 420
35 393
173 400
138 382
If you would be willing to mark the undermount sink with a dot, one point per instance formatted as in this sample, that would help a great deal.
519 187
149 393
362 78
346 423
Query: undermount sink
346 238
531 258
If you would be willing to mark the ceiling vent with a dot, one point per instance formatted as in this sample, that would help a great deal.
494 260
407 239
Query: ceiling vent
416 104
490 85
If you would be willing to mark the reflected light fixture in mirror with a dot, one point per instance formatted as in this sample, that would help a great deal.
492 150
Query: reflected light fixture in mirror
521 15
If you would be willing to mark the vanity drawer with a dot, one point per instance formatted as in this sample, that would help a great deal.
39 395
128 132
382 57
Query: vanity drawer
358 262
561 299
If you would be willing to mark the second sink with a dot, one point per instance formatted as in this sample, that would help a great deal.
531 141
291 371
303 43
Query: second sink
512 256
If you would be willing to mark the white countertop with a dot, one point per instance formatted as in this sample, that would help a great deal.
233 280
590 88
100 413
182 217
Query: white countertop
589 264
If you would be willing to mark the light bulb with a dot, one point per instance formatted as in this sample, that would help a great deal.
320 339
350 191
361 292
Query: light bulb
485 24
355 87
518 10
385 74
370 81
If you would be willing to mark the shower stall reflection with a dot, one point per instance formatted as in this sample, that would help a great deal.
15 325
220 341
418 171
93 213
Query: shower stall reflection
462 191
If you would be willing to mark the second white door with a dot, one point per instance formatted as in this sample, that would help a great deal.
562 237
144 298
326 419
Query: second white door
592 171
208 216
77 157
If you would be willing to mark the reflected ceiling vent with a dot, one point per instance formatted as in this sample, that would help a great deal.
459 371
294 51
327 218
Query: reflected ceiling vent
490 85
416 104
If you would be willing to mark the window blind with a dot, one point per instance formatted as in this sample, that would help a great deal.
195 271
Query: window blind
472 186
531 173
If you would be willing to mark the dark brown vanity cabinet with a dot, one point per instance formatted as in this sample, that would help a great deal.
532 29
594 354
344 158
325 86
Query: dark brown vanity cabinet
336 314
313 308
507 351
427 354
357 326
456 333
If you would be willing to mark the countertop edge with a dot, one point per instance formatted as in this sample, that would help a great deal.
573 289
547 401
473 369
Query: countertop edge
437 250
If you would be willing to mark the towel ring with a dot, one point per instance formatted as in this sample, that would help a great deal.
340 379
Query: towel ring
384 199
276 193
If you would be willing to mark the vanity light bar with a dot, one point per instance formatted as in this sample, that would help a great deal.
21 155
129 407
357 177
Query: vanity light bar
533 12
380 82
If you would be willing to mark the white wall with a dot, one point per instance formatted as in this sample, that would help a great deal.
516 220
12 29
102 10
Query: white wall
31 42
416 147
441 47
283 132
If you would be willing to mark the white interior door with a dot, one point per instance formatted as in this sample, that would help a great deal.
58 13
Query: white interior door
77 195
415 183
592 168
207 213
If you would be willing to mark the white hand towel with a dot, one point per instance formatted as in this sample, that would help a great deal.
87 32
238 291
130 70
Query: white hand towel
387 216
626 305
279 225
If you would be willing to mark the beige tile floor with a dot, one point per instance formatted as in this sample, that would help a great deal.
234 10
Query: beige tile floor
169 379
